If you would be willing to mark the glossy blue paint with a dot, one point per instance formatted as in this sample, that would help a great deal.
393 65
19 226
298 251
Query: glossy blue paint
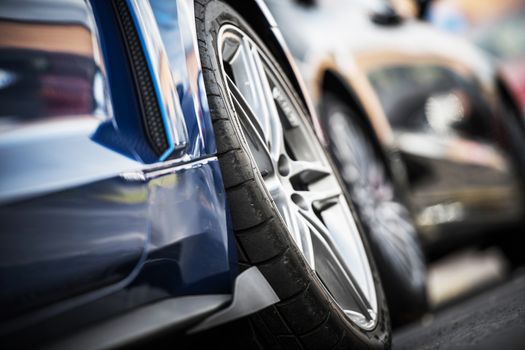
125 134
64 244
193 238
91 218
165 90
177 29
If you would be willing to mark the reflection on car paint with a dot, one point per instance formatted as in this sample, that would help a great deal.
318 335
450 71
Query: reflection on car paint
93 223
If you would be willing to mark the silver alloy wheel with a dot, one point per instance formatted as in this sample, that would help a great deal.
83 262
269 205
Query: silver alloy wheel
297 175
374 196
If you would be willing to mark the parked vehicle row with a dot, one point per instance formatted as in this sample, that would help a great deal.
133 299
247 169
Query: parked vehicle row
413 119
168 168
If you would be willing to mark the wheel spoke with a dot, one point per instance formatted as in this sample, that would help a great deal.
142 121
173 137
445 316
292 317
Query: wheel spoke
318 200
308 171
247 77
338 278
253 83
306 238
255 137
322 193
241 103
275 132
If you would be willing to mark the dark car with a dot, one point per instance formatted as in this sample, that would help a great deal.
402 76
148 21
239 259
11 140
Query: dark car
413 119
160 175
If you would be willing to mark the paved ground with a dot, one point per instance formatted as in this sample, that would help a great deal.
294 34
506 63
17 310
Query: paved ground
494 319
491 319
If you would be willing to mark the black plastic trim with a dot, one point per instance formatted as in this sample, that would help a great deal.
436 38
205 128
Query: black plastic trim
170 315
149 104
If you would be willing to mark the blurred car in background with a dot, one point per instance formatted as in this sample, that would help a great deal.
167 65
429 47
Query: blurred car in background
414 119
498 28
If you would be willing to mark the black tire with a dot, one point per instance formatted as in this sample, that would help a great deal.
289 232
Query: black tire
407 299
307 317
513 136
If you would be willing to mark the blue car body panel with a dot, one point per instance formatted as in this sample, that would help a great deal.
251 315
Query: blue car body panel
92 218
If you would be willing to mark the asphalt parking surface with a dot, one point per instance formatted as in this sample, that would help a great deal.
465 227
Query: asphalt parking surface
492 319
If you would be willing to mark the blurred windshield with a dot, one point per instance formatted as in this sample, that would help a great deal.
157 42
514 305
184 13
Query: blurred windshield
366 5
498 27
373 5
504 38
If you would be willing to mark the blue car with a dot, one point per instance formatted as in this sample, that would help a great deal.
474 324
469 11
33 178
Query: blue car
160 174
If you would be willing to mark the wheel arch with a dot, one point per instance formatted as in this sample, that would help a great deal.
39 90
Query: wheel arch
333 83
507 97
511 130
264 25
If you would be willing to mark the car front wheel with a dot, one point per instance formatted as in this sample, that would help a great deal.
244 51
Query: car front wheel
289 212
